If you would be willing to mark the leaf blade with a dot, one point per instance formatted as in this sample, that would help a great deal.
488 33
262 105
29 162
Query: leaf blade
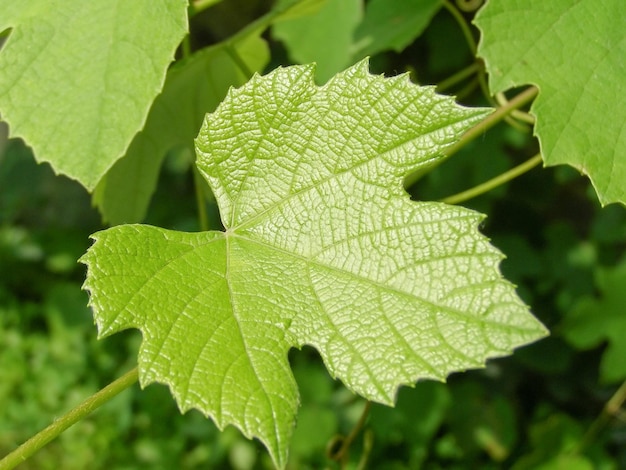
322 247
191 90
79 107
573 51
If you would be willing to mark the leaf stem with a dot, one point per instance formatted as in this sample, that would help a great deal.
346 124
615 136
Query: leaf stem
494 182
342 454
498 115
611 410
198 182
471 42
516 113
231 50
35 443
203 219
368 444
467 32
457 77
261 23
467 89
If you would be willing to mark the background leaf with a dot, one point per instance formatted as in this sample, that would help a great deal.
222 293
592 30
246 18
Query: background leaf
78 78
595 320
392 25
574 52
322 247
323 37
191 89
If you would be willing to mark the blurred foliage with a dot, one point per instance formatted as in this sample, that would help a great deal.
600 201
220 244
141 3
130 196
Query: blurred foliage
533 410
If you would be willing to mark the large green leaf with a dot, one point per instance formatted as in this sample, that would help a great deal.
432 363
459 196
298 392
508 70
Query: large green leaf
322 247
324 36
78 78
191 89
575 52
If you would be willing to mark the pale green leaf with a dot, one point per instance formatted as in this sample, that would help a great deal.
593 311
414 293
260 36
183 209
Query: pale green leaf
392 25
575 52
323 37
77 78
322 247
191 89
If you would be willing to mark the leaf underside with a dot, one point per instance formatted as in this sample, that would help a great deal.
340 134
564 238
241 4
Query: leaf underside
322 247
574 52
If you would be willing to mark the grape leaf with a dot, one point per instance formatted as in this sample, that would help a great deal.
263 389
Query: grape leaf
595 320
78 78
324 36
574 52
322 247
191 88
392 25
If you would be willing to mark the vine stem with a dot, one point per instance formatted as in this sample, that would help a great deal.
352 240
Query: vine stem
611 410
471 43
342 454
469 37
198 183
458 77
28 448
494 182
498 115
262 22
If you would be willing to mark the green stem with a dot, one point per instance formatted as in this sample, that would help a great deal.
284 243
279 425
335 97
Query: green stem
517 114
198 184
458 77
494 182
467 32
231 50
498 115
471 42
342 454
466 90
494 118
186 46
197 178
611 409
368 444
261 23
59 425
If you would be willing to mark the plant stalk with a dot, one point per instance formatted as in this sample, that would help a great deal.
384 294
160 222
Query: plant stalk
458 77
261 23
342 454
611 410
35 443
467 32
203 219
494 182
494 118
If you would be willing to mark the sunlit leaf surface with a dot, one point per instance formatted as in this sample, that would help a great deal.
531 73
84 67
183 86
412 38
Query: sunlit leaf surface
322 247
